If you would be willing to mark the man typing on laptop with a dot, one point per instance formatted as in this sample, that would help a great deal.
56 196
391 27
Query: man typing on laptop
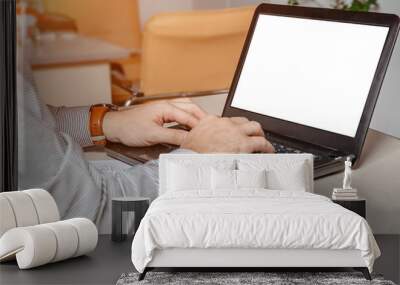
51 141
142 125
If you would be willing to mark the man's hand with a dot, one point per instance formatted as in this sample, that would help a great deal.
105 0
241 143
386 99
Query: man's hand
227 135
142 125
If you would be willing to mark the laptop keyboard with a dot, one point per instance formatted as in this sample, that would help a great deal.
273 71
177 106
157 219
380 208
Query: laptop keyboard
280 148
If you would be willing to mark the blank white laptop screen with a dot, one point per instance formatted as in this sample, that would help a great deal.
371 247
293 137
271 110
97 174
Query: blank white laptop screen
311 72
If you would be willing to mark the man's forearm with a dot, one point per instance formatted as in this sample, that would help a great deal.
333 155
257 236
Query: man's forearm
73 121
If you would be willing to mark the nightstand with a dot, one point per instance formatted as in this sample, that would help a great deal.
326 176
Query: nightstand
357 206
138 205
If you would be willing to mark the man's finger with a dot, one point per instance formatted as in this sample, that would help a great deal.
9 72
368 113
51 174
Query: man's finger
190 107
252 128
239 120
259 144
172 113
171 136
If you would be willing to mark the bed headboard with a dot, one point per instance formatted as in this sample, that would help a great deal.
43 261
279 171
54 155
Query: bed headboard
271 160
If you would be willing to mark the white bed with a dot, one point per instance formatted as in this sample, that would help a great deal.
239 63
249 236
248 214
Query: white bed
200 225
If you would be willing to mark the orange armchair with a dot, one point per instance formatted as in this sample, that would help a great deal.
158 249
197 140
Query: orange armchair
192 51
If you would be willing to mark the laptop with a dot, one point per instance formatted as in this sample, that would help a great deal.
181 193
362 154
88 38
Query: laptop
311 77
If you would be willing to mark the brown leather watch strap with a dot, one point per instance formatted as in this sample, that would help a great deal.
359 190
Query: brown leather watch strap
97 113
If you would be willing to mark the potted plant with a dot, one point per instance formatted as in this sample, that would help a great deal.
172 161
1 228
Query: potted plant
353 5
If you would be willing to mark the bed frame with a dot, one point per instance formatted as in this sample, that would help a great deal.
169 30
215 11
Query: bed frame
248 259
260 259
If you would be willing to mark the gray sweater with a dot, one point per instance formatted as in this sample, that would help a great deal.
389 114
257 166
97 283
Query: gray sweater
52 159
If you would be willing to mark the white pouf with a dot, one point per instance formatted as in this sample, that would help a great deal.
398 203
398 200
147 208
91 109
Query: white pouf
31 233
37 245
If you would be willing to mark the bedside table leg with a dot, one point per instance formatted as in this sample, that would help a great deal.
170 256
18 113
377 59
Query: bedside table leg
116 230
140 211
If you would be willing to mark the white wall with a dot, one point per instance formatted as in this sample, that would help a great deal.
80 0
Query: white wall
387 112
386 118
148 8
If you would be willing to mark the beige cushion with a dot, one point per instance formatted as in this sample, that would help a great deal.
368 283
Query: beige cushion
7 220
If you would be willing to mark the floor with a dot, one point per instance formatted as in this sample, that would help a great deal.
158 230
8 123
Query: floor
102 266
110 260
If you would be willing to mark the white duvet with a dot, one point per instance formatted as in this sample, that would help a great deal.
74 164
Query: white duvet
255 218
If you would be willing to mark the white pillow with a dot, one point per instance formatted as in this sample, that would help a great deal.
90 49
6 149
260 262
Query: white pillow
285 174
223 179
183 178
226 179
251 178
186 176
291 178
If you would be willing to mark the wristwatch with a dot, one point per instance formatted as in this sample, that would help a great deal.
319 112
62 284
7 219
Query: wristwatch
97 113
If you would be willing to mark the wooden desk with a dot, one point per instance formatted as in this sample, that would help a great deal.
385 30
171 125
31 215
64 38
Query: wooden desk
74 70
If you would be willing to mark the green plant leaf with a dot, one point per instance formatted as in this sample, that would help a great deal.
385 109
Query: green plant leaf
356 5
293 2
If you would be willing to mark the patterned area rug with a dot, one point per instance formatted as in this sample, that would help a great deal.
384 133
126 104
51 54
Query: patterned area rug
243 278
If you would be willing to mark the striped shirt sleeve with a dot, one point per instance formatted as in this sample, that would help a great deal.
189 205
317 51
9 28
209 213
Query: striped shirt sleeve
73 121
